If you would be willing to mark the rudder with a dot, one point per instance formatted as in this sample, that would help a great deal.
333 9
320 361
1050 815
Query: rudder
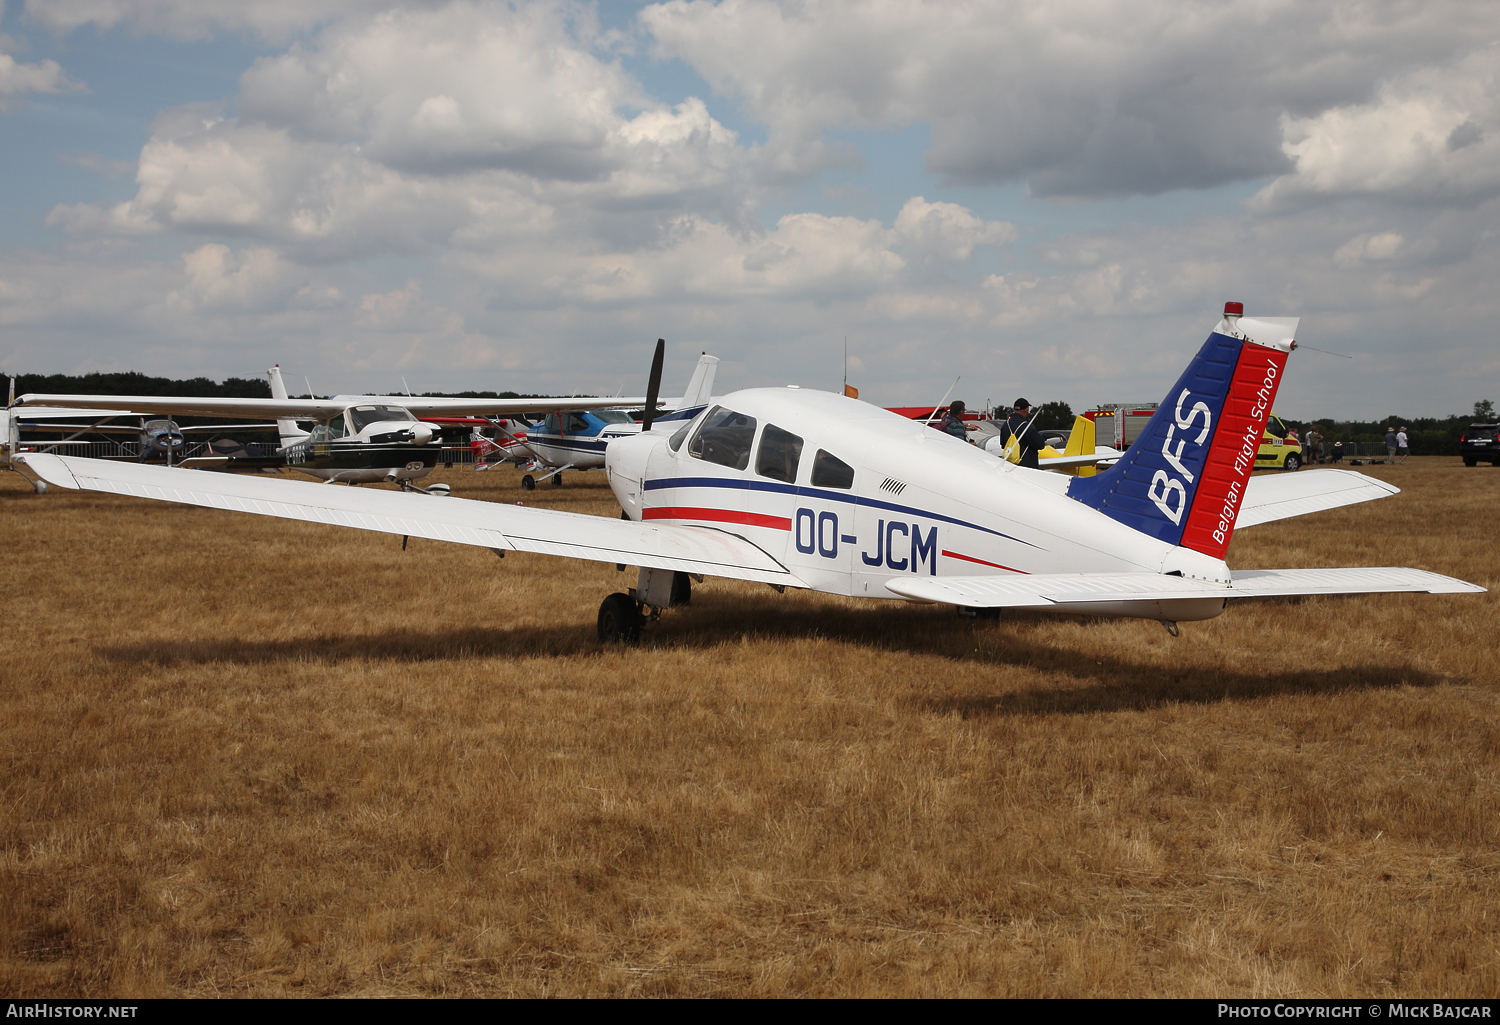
1183 480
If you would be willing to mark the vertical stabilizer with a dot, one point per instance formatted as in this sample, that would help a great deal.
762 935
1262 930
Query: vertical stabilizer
701 387
1183 480
288 429
1081 443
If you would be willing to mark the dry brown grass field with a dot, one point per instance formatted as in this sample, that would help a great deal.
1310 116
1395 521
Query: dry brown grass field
249 757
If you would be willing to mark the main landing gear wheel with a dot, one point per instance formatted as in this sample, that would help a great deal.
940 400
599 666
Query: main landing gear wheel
557 480
1292 462
528 483
619 620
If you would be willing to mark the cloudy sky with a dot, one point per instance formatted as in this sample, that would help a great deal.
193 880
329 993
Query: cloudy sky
1049 199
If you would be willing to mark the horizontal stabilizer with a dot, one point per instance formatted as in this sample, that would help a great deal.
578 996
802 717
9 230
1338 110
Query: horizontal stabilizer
1056 591
485 524
1277 496
1102 454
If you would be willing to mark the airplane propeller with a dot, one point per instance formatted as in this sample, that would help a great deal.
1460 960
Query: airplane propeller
653 385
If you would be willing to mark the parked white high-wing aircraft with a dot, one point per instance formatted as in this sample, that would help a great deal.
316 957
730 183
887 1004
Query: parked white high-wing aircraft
797 488
353 439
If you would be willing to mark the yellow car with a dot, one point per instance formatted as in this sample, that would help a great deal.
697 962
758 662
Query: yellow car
1277 451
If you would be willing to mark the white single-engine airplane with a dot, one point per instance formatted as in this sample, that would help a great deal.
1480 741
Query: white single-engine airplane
797 488
578 439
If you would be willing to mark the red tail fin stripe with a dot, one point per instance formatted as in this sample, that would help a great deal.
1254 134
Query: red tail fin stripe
1231 457
679 512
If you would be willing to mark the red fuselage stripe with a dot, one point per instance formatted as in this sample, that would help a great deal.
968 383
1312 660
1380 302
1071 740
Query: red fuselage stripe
970 558
678 512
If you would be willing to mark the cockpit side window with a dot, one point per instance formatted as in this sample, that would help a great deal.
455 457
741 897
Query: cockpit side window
334 428
780 452
551 424
830 471
725 438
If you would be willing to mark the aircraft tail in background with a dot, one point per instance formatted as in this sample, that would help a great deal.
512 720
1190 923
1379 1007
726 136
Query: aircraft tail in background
288 429
1184 479
700 387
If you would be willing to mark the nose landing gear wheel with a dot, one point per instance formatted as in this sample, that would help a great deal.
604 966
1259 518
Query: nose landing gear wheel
619 620
557 480
528 483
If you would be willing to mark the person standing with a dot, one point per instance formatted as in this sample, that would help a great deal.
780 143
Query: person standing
1020 429
1312 450
953 423
1401 446
1390 444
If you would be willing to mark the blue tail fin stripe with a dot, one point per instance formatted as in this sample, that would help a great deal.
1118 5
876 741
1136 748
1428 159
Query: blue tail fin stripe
1151 488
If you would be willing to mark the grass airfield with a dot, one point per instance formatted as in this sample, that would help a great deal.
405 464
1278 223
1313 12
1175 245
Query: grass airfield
249 757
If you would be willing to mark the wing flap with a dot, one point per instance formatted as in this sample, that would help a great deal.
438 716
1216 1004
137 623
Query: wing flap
1272 497
460 521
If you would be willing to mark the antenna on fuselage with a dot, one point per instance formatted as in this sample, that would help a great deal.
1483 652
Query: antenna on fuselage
653 384
407 387
945 399
309 385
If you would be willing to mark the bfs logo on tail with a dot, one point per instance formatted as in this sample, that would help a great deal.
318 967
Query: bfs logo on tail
1184 478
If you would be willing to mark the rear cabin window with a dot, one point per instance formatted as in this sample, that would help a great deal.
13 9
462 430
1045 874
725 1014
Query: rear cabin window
578 424
780 452
830 471
725 438
614 416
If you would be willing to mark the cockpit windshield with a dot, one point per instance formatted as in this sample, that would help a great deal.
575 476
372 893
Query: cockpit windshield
361 417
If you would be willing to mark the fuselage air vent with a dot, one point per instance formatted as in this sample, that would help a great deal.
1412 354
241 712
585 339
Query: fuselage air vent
892 485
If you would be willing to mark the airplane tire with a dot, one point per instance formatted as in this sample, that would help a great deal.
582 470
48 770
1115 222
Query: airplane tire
619 620
557 480
682 589
1292 462
528 483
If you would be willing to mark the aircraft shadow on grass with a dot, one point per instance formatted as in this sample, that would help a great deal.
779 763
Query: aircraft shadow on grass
1109 683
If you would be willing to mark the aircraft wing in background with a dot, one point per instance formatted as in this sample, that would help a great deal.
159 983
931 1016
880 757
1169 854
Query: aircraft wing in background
319 409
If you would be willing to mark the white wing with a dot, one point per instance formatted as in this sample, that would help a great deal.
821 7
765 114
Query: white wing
1056 591
485 524
319 409
1277 496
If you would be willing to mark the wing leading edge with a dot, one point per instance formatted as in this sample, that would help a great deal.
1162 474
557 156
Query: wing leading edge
462 521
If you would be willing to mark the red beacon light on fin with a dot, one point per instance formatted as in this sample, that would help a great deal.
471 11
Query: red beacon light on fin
1234 309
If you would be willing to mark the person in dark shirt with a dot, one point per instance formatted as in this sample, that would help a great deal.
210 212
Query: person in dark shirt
1019 427
953 423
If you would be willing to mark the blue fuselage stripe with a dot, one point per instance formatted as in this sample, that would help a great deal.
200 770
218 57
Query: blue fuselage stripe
738 484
